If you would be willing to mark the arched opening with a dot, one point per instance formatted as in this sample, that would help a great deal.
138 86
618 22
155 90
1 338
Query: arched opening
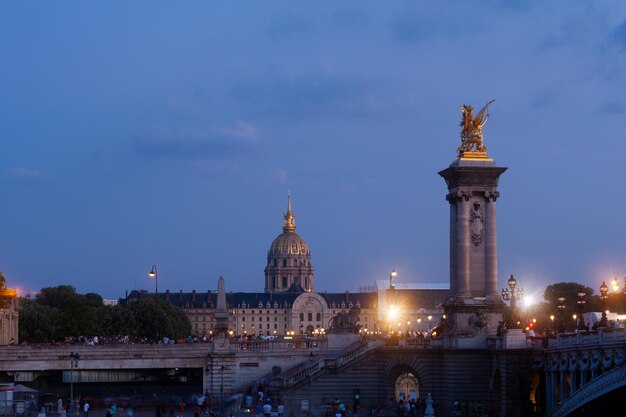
406 387
309 330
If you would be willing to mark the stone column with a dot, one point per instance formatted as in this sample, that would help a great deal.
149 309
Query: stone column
572 380
453 210
491 248
463 245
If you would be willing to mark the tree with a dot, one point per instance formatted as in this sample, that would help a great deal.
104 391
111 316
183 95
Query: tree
38 323
160 318
60 312
570 290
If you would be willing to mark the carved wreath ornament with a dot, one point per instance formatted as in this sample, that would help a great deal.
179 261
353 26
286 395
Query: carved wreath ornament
477 224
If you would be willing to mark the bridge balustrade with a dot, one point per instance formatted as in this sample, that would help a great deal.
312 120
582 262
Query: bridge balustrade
573 361
273 345
408 343
588 338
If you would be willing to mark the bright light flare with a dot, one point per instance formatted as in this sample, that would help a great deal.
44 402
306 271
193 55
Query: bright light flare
393 312
529 300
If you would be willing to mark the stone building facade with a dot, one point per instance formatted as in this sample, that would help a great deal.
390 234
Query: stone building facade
289 304
9 317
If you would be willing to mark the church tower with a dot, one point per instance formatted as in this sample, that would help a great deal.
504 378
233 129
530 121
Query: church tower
474 306
289 259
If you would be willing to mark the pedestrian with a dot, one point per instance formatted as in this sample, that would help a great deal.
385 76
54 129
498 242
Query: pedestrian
280 409
86 409
267 409
196 411
59 405
181 408
129 410
114 410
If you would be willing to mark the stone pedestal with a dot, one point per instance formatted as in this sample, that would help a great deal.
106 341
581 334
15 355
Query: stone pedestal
340 341
474 307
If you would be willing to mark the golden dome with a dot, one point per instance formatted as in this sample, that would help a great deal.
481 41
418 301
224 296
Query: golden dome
289 243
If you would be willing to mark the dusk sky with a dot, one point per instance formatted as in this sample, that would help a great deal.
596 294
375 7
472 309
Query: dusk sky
168 133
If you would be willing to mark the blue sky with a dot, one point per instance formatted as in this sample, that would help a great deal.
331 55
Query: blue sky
168 133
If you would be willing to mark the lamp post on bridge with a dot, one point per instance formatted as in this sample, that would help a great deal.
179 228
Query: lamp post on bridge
561 307
603 296
513 295
581 304
74 357
155 274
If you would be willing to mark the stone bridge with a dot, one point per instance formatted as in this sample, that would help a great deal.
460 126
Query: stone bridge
584 372
505 376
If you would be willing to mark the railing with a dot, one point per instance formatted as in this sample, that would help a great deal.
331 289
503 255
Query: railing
597 337
408 343
351 355
258 346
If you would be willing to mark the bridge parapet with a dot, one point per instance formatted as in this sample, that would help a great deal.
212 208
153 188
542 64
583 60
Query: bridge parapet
599 337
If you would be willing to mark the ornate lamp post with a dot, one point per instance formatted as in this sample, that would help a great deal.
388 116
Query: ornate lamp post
603 296
74 357
513 295
392 275
581 306
561 307
155 274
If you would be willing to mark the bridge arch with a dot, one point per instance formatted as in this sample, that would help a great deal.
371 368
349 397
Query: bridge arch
609 382
405 368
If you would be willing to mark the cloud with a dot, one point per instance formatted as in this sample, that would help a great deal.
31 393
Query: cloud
241 130
613 107
197 143
309 95
619 35
26 176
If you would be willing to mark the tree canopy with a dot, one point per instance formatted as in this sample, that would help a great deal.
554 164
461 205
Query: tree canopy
60 312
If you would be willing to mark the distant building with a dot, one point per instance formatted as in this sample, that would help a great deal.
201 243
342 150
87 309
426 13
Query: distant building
9 315
289 304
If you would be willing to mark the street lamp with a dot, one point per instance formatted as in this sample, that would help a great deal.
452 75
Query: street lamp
155 274
74 357
512 294
392 275
581 305
561 307
603 296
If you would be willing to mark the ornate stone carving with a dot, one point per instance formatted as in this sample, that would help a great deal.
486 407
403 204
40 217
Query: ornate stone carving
491 196
346 322
460 195
477 224
478 320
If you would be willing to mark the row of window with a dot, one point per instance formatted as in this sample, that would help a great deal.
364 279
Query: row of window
318 316
267 326
295 262
285 282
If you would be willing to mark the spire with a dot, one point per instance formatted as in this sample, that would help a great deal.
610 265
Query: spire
221 313
289 224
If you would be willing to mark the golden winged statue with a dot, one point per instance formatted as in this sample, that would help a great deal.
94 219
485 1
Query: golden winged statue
472 130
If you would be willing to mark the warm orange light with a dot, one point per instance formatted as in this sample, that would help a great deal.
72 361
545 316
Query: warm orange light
9 292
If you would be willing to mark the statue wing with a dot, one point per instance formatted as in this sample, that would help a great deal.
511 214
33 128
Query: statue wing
478 120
